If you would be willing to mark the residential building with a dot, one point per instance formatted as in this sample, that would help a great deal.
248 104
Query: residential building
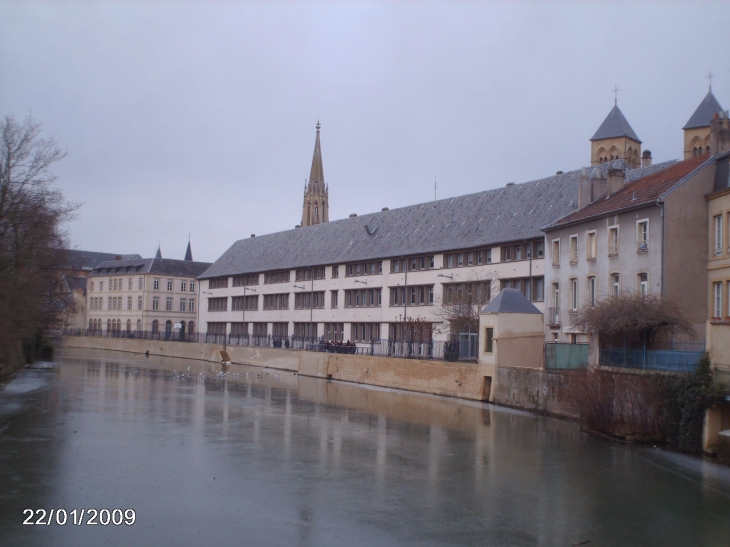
144 294
636 231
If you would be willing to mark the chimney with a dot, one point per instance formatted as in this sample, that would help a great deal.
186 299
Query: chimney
584 190
616 179
646 158
720 133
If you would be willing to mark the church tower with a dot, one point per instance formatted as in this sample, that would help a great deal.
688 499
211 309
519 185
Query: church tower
615 139
316 194
697 129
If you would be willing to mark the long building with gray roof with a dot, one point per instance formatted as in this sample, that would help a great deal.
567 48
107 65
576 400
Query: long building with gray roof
356 278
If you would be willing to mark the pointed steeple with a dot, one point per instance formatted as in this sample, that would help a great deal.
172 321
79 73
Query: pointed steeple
159 252
615 125
189 252
616 140
315 209
704 113
697 128
316 175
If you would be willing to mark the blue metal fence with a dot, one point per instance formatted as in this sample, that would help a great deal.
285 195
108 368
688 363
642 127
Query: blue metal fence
651 359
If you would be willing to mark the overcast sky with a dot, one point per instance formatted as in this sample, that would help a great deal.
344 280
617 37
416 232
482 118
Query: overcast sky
199 117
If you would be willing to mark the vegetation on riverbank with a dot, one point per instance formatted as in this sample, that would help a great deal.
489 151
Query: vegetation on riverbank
667 408
32 213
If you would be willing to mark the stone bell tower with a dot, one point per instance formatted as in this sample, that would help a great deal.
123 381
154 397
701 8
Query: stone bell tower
316 194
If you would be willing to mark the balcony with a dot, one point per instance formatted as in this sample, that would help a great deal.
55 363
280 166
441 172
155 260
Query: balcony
553 316
642 246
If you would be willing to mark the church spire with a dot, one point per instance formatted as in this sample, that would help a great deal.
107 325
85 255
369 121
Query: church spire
316 196
189 252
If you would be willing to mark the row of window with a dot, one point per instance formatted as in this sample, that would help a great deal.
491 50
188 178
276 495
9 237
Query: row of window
591 246
416 263
522 251
476 292
118 285
185 304
614 289
115 325
359 332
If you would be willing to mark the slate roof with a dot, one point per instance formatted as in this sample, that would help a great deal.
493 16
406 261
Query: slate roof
86 260
74 282
704 113
615 125
637 193
503 215
162 266
510 301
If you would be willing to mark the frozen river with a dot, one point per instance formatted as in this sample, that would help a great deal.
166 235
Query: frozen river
248 456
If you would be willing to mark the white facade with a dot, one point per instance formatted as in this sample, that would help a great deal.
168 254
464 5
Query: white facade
369 295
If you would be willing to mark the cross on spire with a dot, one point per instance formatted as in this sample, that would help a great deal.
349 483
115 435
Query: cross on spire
615 94
709 77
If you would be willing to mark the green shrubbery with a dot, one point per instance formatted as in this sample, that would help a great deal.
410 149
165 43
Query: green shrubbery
647 406
687 398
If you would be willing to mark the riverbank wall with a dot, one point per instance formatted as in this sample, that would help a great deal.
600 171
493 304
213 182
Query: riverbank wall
526 388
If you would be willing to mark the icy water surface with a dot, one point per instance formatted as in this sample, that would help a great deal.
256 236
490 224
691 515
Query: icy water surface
249 456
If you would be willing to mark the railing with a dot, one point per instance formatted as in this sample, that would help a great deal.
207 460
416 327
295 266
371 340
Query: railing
651 359
553 316
562 356
409 349
642 246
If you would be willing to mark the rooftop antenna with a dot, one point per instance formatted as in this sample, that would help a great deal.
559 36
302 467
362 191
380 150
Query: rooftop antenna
434 187
709 77
615 94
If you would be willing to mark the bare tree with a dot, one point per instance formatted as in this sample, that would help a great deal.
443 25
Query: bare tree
31 241
633 313
461 302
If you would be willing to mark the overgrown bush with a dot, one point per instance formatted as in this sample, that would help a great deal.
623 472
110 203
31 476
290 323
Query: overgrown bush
647 407
621 405
687 398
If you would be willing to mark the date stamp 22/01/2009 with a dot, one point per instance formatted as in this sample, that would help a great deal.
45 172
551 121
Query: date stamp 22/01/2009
78 517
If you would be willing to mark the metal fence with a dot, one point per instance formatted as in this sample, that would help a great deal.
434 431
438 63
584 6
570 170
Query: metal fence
651 359
562 356
408 349
468 344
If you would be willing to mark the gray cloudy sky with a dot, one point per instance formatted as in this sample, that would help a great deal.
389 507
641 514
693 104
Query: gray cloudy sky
198 117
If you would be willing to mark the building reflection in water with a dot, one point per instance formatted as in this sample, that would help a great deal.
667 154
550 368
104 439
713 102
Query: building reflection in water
334 447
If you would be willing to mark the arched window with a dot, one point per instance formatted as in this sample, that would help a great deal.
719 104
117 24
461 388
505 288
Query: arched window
129 325
695 151
182 327
108 325
191 326
699 151
91 325
155 326
139 325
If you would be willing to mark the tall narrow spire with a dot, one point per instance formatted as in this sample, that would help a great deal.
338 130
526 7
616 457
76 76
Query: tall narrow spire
189 252
316 176
316 194
159 252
